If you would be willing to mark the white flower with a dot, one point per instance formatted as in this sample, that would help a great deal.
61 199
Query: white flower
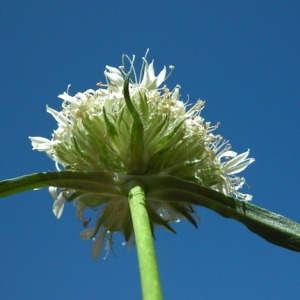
150 81
41 144
115 76
233 164
148 132
236 163
147 78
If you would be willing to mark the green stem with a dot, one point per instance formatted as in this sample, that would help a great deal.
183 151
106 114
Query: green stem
151 288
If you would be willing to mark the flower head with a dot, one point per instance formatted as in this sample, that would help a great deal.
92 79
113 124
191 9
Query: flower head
137 127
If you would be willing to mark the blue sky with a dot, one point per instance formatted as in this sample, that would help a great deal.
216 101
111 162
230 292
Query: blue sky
242 57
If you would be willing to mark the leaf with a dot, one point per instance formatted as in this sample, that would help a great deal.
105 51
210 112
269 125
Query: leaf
273 227
136 142
98 182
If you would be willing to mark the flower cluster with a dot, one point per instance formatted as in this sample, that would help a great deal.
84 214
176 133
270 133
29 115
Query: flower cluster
148 132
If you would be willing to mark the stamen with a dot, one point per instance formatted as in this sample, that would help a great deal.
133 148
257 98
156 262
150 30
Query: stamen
143 65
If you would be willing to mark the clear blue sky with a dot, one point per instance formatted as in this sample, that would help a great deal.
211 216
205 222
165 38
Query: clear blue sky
242 57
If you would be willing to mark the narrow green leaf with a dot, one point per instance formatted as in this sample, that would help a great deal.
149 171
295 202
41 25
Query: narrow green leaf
184 211
155 218
97 182
169 137
137 132
273 227
110 127
129 103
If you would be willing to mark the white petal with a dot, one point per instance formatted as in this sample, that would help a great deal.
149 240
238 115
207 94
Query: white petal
149 79
53 192
58 205
114 70
97 245
114 75
67 97
175 93
161 77
245 197
38 139
40 143
240 167
238 159
228 153
58 116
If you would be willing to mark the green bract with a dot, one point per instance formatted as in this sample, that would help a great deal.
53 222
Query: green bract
141 129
